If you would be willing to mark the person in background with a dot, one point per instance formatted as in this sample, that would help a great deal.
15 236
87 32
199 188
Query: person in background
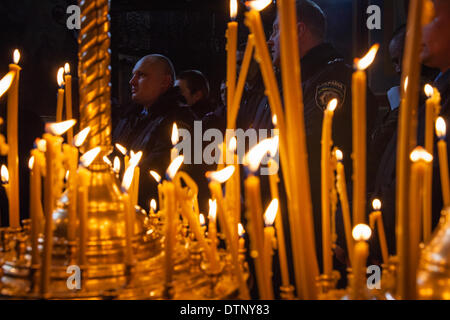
194 88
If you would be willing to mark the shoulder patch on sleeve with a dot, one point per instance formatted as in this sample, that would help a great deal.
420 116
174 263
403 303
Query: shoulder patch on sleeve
330 90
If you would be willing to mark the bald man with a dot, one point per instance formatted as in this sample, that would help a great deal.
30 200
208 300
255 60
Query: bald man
148 125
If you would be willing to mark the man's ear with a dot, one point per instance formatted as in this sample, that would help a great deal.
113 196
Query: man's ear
301 29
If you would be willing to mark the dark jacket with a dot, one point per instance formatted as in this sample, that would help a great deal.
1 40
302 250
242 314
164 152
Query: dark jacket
150 131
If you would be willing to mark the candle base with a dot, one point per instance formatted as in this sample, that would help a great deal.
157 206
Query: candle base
327 283
287 292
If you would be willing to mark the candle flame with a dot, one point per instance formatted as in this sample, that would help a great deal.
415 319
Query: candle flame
116 166
405 84
271 213
87 158
81 136
420 154
41 145
361 232
258 4
107 161
6 82
121 148
366 61
175 136
254 157
201 217
241 230
60 77
66 177
16 57
233 144
339 155
222 175
31 163
67 68
59 128
156 176
212 209
128 178
274 120
376 204
428 90
135 158
4 174
441 128
174 166
153 204
332 105
233 9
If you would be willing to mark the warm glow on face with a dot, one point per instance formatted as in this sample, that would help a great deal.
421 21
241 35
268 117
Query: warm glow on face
6 82
67 68
81 136
127 178
420 154
202 220
107 161
376 204
135 158
174 166
60 77
212 209
441 128
361 232
59 128
175 136
233 9
156 176
428 90
5 174
254 157
241 230
366 61
16 56
332 105
153 204
339 155
271 213
87 158
258 4
222 175
121 148
31 163
116 165
233 144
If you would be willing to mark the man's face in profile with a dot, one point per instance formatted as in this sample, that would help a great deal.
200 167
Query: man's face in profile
274 43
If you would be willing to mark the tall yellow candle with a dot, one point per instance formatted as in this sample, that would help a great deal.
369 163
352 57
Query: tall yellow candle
82 206
273 181
378 218
68 89
326 187
71 155
35 203
361 233
212 230
406 140
269 234
443 160
231 35
341 187
359 84
170 230
60 95
12 132
129 208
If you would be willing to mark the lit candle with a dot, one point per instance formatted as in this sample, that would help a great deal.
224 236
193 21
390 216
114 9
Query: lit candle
326 186
432 109
273 181
359 84
123 151
68 87
443 160
175 138
241 233
342 191
231 35
212 230
157 177
361 233
60 96
129 215
420 160
269 233
152 207
12 131
378 218
35 203
406 140
6 81
233 188
5 179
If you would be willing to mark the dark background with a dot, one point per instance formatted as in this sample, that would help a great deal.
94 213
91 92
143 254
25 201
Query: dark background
190 32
